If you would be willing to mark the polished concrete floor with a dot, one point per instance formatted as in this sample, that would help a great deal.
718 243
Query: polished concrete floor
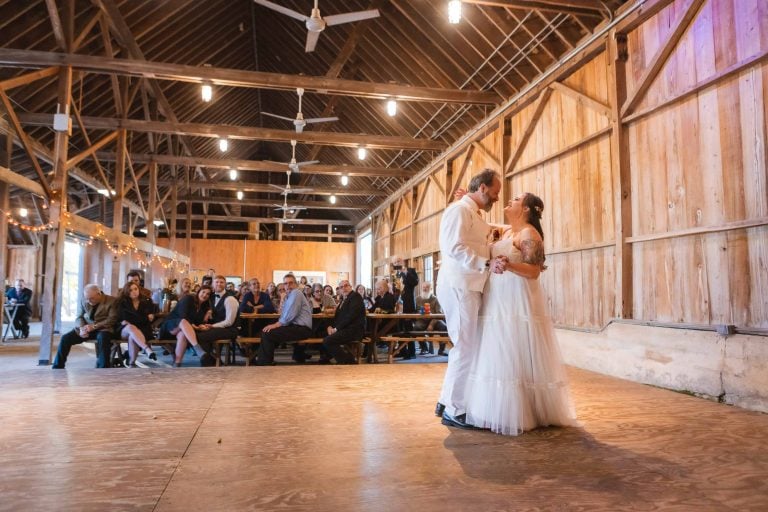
353 438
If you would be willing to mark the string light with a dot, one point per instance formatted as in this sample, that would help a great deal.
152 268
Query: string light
26 227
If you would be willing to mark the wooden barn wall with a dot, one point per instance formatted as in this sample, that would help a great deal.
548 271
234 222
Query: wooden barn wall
576 188
258 258
700 164
696 139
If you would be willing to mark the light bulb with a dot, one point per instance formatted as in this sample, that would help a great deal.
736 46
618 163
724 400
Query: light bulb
239 195
333 199
454 12
392 108
361 153
223 144
207 92
158 222
103 192
23 212
144 230
345 180
233 174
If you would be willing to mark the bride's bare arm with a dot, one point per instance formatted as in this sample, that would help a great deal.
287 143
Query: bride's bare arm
533 259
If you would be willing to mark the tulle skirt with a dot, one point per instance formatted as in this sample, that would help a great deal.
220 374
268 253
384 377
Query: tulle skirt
518 381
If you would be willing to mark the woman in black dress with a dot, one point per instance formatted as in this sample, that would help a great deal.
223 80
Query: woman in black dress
190 315
136 314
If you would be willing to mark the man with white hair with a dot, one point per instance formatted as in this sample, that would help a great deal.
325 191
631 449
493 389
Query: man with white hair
465 266
96 319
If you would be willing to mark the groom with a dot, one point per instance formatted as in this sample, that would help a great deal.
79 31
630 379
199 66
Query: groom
464 269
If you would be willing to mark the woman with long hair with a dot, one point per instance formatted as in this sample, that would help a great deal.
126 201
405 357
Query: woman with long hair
189 316
135 316
518 380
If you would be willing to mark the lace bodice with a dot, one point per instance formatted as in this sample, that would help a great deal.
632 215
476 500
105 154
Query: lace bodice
506 248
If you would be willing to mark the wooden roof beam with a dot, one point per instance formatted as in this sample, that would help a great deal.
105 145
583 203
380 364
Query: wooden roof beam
266 189
242 78
246 133
590 8
315 205
260 165
271 220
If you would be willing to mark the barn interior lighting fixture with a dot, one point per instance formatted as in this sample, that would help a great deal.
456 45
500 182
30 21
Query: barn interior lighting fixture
345 180
105 192
158 223
23 212
207 92
392 108
361 153
233 174
333 199
239 195
223 144
454 12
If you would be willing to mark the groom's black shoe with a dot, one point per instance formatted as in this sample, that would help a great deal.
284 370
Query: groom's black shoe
459 421
439 409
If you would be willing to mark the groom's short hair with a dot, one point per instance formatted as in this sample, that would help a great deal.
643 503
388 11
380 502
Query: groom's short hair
485 177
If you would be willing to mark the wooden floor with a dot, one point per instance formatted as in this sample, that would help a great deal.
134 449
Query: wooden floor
356 438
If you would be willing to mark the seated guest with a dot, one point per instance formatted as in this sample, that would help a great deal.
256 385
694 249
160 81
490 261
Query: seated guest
230 290
307 291
384 302
409 280
22 296
303 283
184 287
427 297
135 315
348 326
206 281
135 277
255 300
281 293
224 321
185 320
294 324
96 319
363 292
328 292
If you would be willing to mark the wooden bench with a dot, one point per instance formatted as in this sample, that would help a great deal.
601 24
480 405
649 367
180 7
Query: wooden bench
248 342
397 341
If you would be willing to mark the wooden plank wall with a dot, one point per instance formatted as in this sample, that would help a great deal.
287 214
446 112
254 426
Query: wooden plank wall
701 163
258 258
699 185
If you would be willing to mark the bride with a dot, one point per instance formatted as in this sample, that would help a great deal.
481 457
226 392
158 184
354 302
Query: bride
518 381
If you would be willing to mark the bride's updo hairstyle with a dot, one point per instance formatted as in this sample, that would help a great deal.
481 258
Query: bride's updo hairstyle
535 207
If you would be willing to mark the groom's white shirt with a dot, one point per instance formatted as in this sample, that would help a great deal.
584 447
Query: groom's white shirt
464 246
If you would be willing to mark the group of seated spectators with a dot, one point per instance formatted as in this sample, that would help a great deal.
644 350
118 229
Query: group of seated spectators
210 311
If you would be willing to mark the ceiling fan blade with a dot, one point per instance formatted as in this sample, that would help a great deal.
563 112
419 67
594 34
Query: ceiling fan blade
309 162
311 41
282 10
321 119
302 190
338 19
290 119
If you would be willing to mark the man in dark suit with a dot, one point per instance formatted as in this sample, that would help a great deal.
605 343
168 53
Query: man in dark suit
96 319
22 296
348 326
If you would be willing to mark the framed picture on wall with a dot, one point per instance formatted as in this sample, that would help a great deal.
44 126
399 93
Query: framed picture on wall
313 276
234 279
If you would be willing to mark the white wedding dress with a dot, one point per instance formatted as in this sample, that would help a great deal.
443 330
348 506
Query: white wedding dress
518 381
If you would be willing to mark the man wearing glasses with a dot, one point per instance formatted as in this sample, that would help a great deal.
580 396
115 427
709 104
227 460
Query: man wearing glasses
348 326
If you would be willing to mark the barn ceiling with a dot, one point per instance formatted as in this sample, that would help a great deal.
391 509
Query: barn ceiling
448 78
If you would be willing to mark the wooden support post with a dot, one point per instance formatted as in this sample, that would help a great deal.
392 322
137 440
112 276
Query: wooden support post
117 211
54 255
6 148
253 230
174 199
150 222
620 174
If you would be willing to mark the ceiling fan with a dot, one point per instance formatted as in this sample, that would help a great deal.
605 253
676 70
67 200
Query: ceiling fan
316 23
293 166
300 122
292 210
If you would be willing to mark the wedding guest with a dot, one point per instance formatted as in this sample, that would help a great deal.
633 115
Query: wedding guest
21 295
135 315
426 297
384 302
348 326
294 324
96 319
189 317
